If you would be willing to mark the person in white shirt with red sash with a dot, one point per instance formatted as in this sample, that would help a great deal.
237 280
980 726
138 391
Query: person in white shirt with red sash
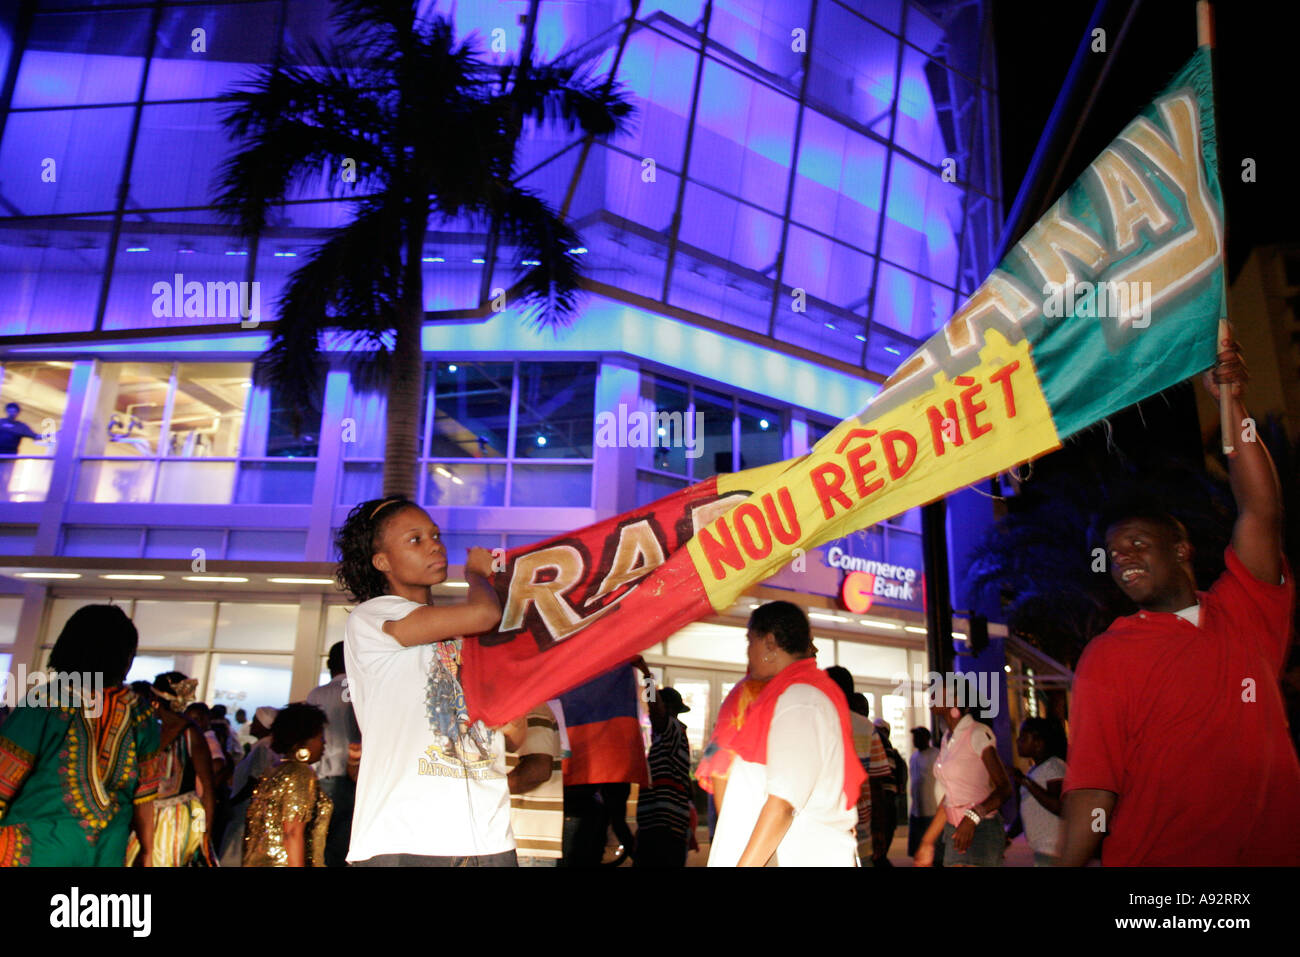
791 793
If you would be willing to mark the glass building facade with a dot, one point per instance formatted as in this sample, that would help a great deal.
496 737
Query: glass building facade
809 188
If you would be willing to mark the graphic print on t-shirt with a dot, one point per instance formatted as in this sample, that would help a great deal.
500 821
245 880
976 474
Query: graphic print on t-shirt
460 749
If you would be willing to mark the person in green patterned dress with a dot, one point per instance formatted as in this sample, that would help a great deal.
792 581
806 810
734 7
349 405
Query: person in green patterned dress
78 770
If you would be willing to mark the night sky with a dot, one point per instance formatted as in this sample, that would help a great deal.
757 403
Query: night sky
1257 72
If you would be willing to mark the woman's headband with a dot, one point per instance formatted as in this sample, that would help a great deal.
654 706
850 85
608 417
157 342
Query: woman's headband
182 693
384 504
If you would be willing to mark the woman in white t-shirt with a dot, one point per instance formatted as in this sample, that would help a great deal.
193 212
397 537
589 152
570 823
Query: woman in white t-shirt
432 786
791 790
1042 740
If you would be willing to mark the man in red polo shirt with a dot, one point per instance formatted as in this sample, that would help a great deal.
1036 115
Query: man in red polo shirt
1179 750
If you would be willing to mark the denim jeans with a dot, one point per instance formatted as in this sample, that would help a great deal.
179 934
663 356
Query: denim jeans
986 845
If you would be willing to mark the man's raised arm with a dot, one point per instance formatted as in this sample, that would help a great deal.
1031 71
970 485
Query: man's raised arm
1257 535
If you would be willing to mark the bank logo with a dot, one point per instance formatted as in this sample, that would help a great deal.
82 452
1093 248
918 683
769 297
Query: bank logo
868 579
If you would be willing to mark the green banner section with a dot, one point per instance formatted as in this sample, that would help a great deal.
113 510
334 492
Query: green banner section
1119 287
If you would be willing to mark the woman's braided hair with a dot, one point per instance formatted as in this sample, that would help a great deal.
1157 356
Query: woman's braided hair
358 540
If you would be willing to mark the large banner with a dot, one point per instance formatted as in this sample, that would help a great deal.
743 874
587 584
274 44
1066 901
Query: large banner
1113 296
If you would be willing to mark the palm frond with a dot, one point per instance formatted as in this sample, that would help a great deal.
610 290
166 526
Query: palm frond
295 121
347 291
368 21
550 289
572 98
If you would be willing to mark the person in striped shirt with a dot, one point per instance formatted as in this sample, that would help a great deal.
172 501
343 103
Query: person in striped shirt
871 754
663 810
536 782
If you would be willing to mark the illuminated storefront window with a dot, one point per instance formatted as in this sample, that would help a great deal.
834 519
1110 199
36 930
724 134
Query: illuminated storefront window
195 433
500 433
33 398
240 652
698 432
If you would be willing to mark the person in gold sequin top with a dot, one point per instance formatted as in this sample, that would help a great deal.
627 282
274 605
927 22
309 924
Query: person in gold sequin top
289 815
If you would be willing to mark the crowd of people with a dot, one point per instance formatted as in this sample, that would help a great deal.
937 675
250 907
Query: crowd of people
382 766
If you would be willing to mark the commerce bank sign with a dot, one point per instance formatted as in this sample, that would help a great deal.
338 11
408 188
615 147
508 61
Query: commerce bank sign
868 579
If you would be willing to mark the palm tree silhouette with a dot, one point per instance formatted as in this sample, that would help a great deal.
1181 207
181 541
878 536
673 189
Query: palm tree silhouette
426 128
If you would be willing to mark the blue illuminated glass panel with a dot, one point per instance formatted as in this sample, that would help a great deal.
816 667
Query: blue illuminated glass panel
551 486
852 67
473 410
744 136
923 221
668 399
178 151
61 4
64 161
924 29
761 431
659 73
931 99
839 180
761 31
459 485
493 24
687 11
50 274
296 230
154 249
887 13
561 26
75 59
274 483
236 40
739 297
729 229
304 24
633 263
551 179
913 306
630 195
827 269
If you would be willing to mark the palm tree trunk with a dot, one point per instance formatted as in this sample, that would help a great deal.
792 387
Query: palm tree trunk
406 383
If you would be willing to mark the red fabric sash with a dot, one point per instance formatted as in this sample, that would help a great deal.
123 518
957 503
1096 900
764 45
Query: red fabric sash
716 761
750 741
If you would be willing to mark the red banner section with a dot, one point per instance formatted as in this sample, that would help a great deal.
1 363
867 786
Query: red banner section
629 575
